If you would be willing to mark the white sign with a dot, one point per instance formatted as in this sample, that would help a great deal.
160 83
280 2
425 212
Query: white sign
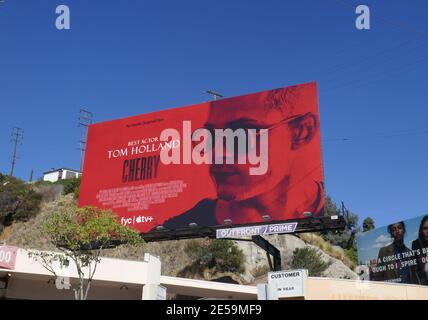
256 230
287 284
161 294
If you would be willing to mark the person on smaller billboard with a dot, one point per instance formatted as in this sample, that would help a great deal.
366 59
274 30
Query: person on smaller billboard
421 244
391 258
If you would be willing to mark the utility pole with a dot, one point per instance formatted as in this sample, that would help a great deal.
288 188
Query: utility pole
85 119
17 137
215 95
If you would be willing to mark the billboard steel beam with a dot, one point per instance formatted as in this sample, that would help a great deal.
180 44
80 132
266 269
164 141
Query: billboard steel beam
303 225
271 250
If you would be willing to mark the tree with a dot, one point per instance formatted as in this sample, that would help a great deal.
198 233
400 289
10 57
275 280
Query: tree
368 224
80 235
227 256
310 259
70 185
18 201
223 255
343 238
2 178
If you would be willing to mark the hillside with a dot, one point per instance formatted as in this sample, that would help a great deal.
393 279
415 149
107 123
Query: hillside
172 253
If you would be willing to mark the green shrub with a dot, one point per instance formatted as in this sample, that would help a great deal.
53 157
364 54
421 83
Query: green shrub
43 183
343 238
70 185
49 192
198 250
310 259
227 256
77 192
368 224
28 207
18 200
260 270
223 255
352 254
7 206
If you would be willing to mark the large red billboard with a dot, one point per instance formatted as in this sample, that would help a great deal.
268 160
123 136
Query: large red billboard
239 160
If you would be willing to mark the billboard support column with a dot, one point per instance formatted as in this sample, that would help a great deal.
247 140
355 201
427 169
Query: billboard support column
270 250
151 287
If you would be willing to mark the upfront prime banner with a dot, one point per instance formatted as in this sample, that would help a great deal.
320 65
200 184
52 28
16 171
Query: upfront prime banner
397 252
237 159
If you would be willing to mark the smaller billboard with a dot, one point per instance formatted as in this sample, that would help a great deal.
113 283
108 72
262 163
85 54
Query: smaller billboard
397 252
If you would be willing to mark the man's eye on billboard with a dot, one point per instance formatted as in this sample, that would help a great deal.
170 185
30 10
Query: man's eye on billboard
236 159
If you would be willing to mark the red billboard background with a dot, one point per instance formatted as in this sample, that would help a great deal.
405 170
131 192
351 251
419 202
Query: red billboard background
122 170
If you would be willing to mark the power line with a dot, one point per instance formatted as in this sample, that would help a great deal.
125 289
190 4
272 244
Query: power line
334 68
17 137
385 54
380 135
85 119
384 74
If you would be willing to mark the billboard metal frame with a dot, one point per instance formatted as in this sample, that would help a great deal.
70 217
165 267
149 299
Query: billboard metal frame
303 225
113 145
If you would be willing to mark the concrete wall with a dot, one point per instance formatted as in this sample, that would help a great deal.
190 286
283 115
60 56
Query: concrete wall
118 270
52 177
341 289
45 289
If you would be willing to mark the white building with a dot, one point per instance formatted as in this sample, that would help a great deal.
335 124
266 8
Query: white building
60 174
26 278
22 277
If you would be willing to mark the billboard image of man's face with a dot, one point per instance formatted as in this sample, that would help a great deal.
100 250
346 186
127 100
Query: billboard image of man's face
233 182
239 159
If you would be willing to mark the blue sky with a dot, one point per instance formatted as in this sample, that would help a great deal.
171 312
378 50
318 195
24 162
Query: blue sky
125 58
